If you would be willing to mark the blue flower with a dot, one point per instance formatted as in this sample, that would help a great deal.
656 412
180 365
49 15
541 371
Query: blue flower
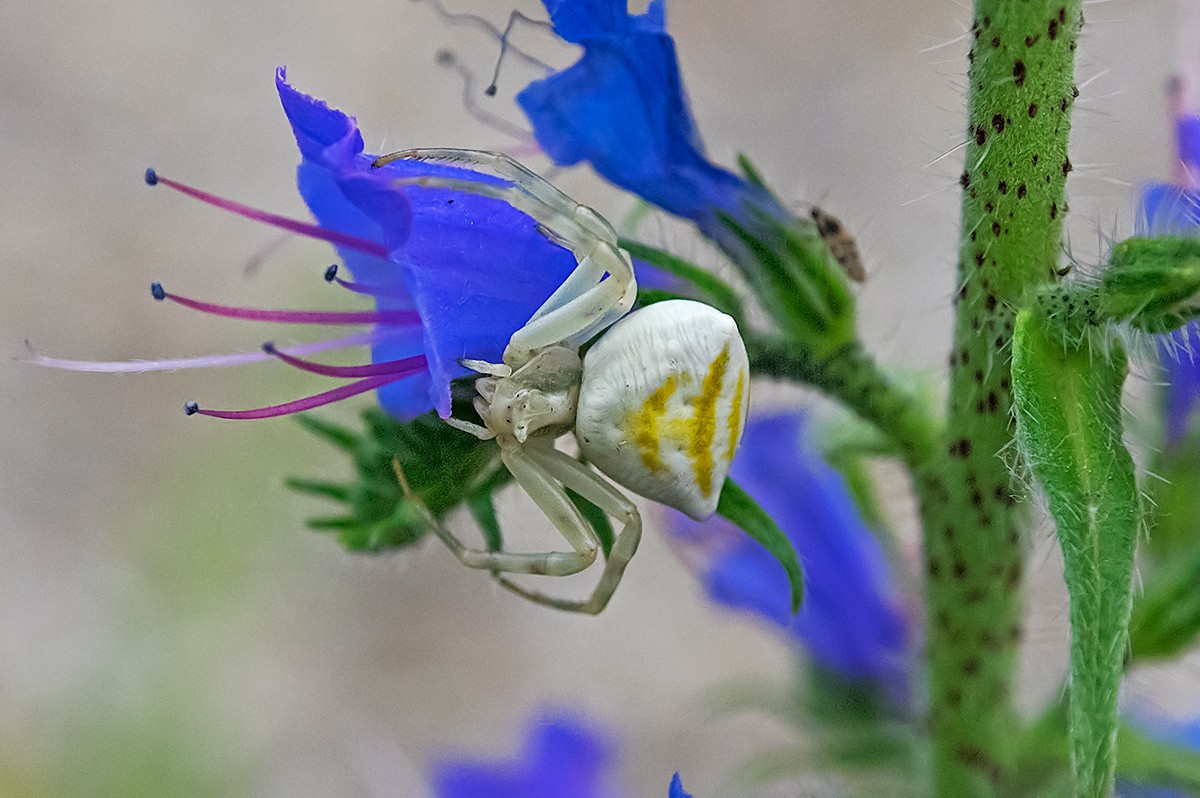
562 757
1174 209
677 788
622 108
474 268
453 274
851 622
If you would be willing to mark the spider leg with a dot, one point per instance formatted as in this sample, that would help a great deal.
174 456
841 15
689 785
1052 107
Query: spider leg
479 431
593 487
551 499
602 287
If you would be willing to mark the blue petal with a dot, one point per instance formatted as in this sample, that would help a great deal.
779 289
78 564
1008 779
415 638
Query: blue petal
677 788
562 758
1187 137
622 108
579 21
1168 210
475 268
329 140
1178 353
851 621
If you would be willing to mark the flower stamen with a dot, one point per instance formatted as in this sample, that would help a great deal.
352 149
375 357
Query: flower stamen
36 358
401 317
298 405
397 368
334 237
331 276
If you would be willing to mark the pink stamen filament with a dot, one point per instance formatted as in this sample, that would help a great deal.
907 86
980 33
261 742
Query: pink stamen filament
334 237
405 317
208 361
298 405
397 368
331 276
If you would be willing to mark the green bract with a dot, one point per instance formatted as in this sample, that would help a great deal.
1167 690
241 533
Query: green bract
1068 406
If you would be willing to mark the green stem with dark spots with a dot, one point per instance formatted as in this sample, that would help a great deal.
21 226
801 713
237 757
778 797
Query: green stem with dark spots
1020 98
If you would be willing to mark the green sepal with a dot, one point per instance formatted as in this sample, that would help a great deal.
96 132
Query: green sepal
1153 283
797 281
750 171
443 466
343 438
1068 406
737 506
713 289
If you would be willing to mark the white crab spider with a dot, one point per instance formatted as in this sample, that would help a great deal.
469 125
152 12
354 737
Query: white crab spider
658 403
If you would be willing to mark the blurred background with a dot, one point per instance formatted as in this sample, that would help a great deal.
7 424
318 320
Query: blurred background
167 624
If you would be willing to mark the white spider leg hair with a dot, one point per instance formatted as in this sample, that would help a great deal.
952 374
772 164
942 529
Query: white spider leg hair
602 287
593 487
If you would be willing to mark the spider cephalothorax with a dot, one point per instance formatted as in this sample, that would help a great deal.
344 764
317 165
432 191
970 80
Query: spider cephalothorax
657 404
539 397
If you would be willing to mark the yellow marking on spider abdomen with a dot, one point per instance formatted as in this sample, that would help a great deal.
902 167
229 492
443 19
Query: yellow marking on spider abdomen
645 424
734 422
703 429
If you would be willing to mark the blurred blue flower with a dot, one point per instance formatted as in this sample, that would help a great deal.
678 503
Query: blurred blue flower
1173 209
562 757
852 622
622 108
474 268
677 788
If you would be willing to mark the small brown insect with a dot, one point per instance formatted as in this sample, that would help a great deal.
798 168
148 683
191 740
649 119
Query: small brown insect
841 244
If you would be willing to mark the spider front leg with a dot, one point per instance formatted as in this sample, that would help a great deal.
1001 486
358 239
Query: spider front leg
593 487
602 287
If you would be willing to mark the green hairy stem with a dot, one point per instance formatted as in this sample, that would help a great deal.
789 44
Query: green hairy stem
1020 97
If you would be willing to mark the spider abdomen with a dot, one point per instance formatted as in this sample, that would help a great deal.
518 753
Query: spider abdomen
663 403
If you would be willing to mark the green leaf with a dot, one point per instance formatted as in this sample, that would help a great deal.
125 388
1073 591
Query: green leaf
1166 616
737 506
718 293
652 296
1068 405
1149 761
1043 758
483 510
598 519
